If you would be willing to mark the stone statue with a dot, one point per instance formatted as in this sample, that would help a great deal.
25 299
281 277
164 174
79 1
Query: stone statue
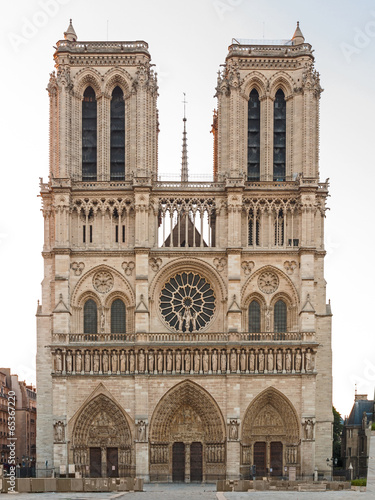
69 362
233 429
268 320
187 318
223 361
196 361
141 431
160 361
169 361
180 321
150 361
141 361
122 361
178 361
233 361
58 362
270 361
187 361
308 361
102 322
288 361
78 361
59 432
105 362
96 361
309 429
132 362
279 361
243 361
194 321
114 361
261 361
87 361
252 361
298 361
214 361
205 362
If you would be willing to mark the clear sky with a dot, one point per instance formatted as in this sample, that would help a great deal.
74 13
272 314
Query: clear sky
188 41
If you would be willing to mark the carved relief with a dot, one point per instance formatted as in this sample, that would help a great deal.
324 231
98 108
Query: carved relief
141 431
247 266
290 266
128 267
103 281
268 282
220 264
233 429
77 268
308 429
155 263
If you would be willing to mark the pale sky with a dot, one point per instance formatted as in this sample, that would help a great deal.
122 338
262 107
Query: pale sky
188 41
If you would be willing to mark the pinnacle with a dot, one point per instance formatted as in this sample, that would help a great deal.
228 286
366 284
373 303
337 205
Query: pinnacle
298 37
70 33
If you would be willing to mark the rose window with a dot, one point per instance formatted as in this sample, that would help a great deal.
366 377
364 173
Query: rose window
187 302
268 282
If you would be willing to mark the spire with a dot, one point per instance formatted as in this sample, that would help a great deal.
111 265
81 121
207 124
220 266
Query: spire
70 33
298 37
184 163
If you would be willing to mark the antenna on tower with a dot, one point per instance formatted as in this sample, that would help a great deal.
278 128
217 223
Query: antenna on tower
184 163
107 28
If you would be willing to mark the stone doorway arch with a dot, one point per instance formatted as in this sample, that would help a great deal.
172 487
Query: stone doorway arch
187 414
101 440
270 435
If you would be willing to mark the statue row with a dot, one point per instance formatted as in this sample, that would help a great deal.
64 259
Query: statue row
270 360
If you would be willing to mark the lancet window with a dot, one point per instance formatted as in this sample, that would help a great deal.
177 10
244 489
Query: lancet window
117 135
89 135
90 317
254 317
279 137
253 137
118 316
280 316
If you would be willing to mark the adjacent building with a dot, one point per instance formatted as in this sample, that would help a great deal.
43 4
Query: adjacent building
184 332
355 443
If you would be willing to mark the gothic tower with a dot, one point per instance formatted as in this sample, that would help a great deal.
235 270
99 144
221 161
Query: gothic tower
183 332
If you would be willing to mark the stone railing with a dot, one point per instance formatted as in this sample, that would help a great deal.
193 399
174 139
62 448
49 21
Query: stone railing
163 360
182 338
136 46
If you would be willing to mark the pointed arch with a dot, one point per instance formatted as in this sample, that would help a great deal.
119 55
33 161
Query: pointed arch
271 415
117 77
188 393
85 78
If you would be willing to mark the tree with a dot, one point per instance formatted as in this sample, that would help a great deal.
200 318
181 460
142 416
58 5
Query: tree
337 430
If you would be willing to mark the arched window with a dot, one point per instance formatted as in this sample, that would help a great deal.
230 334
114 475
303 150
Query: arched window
254 229
89 135
90 317
279 136
280 316
254 317
253 137
117 135
118 317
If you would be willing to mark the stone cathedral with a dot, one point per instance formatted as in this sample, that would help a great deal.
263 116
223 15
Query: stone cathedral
183 332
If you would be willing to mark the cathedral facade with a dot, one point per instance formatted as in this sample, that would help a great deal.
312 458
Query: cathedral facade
183 332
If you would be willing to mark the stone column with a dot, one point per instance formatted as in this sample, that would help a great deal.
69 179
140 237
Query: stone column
187 463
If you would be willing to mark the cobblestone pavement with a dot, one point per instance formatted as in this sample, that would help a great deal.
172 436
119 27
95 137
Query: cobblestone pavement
162 491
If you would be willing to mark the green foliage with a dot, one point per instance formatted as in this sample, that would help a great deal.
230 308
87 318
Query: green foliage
359 482
373 426
337 430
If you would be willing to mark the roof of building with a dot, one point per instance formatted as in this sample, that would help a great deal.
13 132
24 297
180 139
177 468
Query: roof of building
360 406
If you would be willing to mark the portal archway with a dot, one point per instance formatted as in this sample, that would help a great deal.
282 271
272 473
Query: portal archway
270 435
101 440
188 423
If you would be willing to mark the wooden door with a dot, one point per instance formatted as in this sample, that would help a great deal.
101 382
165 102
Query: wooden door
178 462
196 471
112 462
95 462
276 459
260 459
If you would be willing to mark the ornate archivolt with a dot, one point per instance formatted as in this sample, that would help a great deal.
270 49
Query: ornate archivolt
271 417
187 413
93 206
101 423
